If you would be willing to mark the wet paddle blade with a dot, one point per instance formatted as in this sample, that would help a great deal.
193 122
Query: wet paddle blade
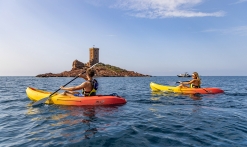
42 101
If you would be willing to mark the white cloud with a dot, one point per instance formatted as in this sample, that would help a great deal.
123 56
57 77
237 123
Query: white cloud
241 30
241 1
238 2
163 8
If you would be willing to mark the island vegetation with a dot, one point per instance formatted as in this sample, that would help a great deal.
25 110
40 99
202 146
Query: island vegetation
102 70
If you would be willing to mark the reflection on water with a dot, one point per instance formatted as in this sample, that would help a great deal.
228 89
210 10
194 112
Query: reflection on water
85 115
196 96
148 119
66 119
156 95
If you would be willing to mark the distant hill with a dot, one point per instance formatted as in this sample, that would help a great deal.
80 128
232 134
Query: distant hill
102 70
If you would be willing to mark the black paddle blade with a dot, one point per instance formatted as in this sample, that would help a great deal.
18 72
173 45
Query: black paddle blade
40 102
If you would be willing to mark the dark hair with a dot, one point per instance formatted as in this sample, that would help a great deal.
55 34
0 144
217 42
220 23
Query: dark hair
90 72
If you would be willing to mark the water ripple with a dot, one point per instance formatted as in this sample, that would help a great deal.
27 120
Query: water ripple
149 119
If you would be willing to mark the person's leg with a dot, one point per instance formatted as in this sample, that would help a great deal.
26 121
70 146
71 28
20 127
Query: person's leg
182 86
70 92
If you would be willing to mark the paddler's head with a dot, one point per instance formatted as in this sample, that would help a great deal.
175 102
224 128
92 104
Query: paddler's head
195 75
90 72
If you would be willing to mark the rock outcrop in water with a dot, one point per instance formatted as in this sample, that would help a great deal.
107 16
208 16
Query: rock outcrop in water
102 70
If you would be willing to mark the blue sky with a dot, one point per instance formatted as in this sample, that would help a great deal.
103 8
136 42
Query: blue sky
155 37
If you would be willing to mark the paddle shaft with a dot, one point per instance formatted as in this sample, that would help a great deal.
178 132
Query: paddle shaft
188 81
66 84
181 81
72 80
47 98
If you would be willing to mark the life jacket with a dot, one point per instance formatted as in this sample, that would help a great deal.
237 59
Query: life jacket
194 86
95 85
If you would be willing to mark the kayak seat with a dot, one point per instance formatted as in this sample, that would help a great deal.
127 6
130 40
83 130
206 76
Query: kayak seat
78 94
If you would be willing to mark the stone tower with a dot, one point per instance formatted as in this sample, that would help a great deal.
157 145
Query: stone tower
93 56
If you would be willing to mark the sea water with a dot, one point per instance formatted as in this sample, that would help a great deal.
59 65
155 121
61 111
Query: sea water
148 119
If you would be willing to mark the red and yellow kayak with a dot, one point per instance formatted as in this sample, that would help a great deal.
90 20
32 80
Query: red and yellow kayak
60 99
176 89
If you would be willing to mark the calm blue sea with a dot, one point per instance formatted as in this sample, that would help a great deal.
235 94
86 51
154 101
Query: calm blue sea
148 119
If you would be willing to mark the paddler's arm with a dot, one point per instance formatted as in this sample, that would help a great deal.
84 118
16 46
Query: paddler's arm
79 87
186 83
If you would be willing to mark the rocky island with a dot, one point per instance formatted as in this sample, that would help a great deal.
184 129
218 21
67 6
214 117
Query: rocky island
102 70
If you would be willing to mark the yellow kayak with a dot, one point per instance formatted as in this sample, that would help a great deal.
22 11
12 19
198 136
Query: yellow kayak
60 99
176 89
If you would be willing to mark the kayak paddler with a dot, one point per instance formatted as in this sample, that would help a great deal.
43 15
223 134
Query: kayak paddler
194 83
88 87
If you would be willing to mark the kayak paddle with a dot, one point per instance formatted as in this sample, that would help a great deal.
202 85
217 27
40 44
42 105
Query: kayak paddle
42 101
188 81
181 81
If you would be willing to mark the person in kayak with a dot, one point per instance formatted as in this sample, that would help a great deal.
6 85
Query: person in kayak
194 83
88 87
